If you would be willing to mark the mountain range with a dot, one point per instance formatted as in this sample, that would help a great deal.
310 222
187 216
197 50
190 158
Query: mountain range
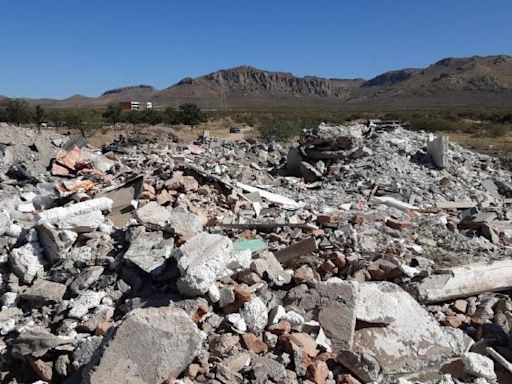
452 82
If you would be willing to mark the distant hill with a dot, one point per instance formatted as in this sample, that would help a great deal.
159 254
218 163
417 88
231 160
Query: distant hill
472 81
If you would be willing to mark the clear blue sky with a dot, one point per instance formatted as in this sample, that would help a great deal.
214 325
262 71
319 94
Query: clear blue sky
59 48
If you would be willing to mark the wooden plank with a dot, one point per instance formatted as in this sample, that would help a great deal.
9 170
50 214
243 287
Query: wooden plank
272 197
296 250
464 281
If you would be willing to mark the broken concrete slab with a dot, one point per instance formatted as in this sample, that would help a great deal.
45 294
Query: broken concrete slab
410 343
43 292
184 224
479 366
202 260
36 342
337 302
395 203
153 215
272 197
255 315
85 302
150 346
375 306
266 264
148 250
438 151
86 278
54 247
363 365
85 223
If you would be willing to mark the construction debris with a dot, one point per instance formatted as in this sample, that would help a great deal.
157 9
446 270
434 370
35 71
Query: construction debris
360 254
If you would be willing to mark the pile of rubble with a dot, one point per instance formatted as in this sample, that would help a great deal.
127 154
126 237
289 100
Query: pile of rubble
357 256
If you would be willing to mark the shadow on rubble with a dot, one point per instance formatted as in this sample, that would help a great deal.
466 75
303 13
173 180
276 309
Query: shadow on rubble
423 159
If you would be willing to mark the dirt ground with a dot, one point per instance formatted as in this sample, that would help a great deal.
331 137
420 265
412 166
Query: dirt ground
216 128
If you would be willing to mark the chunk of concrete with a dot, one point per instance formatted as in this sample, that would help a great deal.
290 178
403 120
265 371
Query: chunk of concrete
36 342
266 369
151 345
414 341
153 216
337 311
255 314
85 302
438 151
27 262
364 366
85 350
309 172
479 366
267 264
375 306
185 224
54 247
201 260
44 292
86 278
148 250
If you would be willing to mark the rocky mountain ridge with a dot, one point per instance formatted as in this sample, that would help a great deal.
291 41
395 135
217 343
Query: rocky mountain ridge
470 81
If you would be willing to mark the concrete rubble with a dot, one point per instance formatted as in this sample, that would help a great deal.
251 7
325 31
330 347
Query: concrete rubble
359 254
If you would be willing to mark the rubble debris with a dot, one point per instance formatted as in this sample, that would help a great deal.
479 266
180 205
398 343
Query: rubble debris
240 261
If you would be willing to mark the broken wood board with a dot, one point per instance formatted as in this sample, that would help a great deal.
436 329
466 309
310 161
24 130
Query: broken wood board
464 281
267 226
455 204
296 250
395 203
272 197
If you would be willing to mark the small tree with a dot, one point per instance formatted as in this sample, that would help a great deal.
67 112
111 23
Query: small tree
133 117
152 116
190 114
56 117
16 111
113 113
171 116
39 115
